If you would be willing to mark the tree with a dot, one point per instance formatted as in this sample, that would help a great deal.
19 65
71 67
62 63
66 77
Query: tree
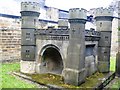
118 28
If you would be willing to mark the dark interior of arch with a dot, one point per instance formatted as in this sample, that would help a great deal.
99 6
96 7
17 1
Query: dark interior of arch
52 61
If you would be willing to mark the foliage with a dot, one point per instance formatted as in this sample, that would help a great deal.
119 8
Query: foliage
118 28
9 81
116 84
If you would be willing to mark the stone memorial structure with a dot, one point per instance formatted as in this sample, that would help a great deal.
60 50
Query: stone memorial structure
74 52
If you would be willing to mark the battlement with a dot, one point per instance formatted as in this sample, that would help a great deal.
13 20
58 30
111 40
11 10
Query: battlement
30 6
76 13
103 12
88 33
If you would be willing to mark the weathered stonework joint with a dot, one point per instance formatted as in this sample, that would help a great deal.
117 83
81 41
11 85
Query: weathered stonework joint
77 20
108 18
29 13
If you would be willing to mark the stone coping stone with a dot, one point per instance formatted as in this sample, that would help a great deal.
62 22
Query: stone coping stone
108 77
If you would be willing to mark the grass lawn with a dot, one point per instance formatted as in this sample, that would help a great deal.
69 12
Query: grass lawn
116 85
9 81
112 63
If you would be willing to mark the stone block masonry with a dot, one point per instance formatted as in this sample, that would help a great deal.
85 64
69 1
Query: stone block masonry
74 73
104 19
74 52
30 14
10 39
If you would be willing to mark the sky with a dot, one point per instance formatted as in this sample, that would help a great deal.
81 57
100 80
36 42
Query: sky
87 4
13 6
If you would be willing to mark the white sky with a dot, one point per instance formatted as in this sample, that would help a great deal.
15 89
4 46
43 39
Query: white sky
13 6
87 4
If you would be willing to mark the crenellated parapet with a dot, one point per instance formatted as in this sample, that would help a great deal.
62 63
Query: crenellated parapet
76 14
104 14
30 6
63 34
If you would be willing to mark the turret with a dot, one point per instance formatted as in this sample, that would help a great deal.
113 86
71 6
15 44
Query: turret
104 19
74 71
29 15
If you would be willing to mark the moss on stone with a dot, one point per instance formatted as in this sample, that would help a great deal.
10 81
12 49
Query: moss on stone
93 80
53 79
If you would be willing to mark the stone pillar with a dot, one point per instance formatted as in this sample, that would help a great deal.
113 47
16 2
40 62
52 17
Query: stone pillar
118 54
74 71
29 15
104 24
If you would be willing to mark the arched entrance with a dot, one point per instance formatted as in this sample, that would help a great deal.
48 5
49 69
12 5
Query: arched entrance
51 60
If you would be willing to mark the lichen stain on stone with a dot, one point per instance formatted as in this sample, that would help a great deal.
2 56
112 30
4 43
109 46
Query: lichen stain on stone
59 81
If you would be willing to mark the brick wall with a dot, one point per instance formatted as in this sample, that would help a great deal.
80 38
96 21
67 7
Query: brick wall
10 39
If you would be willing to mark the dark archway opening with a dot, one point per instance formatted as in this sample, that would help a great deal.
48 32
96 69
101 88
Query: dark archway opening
52 61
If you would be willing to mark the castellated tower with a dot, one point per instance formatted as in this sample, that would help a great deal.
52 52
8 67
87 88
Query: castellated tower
30 14
74 71
104 19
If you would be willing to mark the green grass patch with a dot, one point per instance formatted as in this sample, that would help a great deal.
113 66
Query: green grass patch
116 84
9 81
112 63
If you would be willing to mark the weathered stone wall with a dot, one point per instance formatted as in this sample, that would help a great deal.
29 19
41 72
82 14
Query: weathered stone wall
30 13
42 45
61 43
114 42
52 38
104 17
10 39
